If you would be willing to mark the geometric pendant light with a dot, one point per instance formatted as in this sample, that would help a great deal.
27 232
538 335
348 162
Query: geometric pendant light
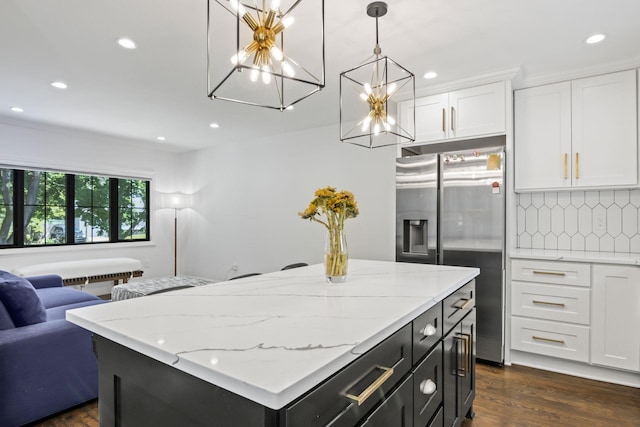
267 53
368 113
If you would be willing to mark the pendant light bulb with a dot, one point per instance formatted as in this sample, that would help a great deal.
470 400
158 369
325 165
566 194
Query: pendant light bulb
363 96
266 76
376 129
275 5
239 57
391 120
367 88
276 53
287 69
238 8
288 21
391 89
365 123
255 72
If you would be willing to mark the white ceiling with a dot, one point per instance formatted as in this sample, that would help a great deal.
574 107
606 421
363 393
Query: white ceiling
161 87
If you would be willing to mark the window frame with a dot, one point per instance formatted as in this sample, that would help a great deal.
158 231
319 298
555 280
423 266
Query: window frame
18 228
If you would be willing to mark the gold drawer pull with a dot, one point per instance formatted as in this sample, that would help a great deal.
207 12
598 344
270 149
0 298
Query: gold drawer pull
467 302
444 127
550 273
359 399
557 304
548 339
566 173
577 165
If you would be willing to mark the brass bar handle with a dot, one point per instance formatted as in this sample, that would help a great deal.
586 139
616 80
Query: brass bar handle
466 356
548 339
550 273
360 399
566 166
467 302
577 165
444 125
557 304
453 112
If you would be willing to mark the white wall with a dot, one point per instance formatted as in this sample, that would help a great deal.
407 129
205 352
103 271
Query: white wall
30 145
247 196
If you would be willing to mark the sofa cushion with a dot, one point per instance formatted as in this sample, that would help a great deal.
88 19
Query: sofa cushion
21 300
55 297
5 319
57 313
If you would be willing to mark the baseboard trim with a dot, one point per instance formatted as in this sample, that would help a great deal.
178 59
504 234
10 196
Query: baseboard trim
575 369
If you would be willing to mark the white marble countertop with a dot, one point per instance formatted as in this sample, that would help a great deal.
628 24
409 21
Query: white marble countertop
577 256
273 337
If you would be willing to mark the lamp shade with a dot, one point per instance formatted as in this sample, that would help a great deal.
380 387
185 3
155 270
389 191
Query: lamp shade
175 200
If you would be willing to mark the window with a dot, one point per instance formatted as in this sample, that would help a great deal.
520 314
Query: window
58 208
6 207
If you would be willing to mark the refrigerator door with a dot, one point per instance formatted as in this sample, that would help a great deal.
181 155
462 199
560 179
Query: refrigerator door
417 209
472 235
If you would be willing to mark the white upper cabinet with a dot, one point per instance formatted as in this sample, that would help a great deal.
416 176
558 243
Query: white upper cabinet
604 130
464 113
543 137
579 134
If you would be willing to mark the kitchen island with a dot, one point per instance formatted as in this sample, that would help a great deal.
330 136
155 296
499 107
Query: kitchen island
281 349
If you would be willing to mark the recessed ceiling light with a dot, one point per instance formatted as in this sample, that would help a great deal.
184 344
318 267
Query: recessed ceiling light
214 125
17 109
59 85
161 138
430 75
127 43
596 38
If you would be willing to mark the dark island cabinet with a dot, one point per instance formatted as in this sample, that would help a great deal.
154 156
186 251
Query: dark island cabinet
423 375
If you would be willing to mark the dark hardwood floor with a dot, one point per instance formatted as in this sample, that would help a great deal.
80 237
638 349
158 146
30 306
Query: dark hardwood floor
509 396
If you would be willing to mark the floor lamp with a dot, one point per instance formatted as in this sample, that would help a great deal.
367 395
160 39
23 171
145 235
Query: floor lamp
175 201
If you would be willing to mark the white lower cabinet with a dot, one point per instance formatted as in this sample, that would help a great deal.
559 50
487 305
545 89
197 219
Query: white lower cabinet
582 312
615 321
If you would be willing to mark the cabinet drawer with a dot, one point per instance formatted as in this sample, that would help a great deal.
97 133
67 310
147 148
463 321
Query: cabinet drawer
427 331
334 401
554 272
457 305
550 302
550 338
395 411
427 388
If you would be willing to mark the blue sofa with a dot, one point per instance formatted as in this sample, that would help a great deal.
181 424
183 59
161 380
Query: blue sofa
47 364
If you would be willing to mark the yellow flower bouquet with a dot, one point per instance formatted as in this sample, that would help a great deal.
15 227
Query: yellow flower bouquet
336 206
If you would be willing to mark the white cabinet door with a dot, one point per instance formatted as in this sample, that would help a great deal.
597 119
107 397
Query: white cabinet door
543 137
431 118
615 317
477 111
604 130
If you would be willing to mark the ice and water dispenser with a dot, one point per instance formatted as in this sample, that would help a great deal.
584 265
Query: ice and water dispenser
414 236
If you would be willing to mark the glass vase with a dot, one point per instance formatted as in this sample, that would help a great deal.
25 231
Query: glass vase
336 256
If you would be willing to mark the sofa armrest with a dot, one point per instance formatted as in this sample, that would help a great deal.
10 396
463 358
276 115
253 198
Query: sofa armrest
51 363
45 281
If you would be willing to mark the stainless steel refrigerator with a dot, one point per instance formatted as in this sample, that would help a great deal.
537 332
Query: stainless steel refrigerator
450 209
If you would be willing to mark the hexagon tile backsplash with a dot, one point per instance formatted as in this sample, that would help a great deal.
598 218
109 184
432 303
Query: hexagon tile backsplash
605 221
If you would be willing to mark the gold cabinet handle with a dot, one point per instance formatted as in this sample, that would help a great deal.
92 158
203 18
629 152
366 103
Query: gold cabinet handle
466 302
557 304
566 166
466 368
577 165
444 126
452 118
548 339
550 273
360 399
